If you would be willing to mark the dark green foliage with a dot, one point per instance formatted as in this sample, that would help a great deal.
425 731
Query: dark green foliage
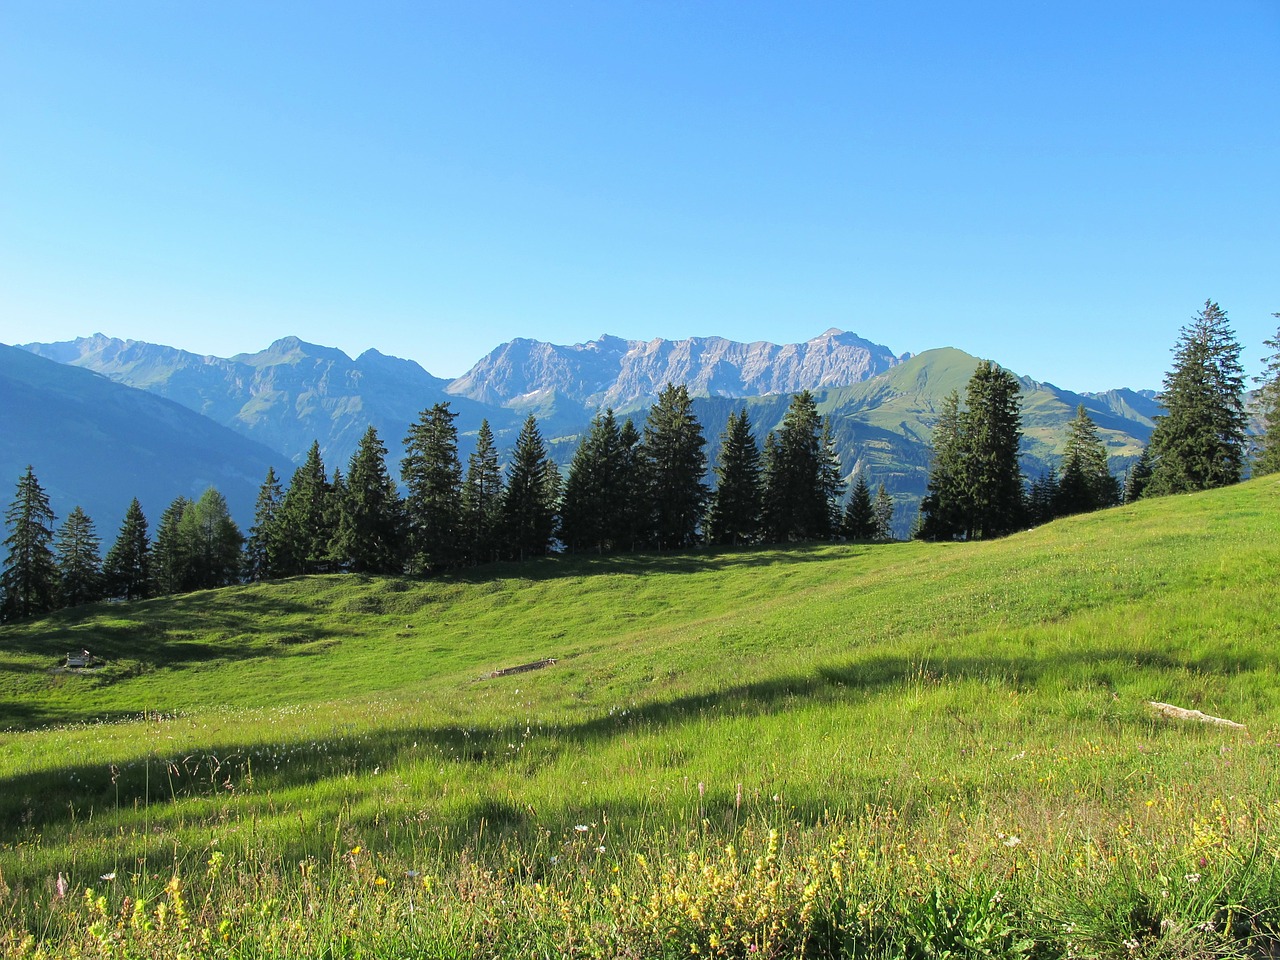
1137 478
1268 458
830 481
482 500
306 520
1042 498
1086 483
263 549
992 430
371 516
1199 442
675 468
882 511
859 521
79 560
801 476
633 507
590 518
942 511
170 562
432 475
531 497
126 571
30 578
737 503
211 543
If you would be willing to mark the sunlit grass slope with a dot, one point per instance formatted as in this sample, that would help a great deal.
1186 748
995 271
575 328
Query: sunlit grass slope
948 696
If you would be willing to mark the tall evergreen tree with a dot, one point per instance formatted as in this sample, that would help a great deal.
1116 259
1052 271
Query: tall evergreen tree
126 571
634 513
798 476
882 511
171 562
1042 498
369 537
1199 441
263 549
30 578
737 503
991 426
432 475
307 520
1137 478
1268 459
590 517
77 552
530 500
830 479
482 499
859 521
211 541
675 466
1087 483
942 511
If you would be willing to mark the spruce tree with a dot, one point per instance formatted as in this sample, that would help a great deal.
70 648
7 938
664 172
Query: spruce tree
77 552
30 578
432 475
882 512
1042 498
830 480
991 427
530 500
675 468
1086 483
590 516
126 571
943 509
263 549
859 522
211 541
634 511
369 537
1137 477
800 476
1199 441
307 520
736 505
1268 458
482 499
170 556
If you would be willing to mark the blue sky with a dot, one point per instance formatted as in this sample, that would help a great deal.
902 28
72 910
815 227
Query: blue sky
1058 187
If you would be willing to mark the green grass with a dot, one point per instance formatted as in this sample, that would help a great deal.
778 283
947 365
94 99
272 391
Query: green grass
941 697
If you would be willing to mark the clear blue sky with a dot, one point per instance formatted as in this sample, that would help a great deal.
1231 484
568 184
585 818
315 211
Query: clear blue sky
1056 186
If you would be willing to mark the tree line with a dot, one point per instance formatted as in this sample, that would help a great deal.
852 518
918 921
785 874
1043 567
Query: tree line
630 488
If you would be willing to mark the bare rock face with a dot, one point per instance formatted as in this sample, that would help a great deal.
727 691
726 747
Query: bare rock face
620 373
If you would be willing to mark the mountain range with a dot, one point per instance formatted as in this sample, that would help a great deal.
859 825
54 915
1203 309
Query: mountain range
282 398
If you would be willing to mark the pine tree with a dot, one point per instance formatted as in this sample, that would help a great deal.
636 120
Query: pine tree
1137 478
432 474
943 509
530 500
482 499
736 505
675 467
30 578
882 511
77 552
1198 443
830 481
306 520
635 515
1268 459
211 542
170 557
369 537
859 521
799 476
1042 498
1087 483
590 518
263 549
126 571
991 426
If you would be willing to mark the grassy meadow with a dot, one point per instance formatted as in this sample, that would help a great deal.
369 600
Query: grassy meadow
901 750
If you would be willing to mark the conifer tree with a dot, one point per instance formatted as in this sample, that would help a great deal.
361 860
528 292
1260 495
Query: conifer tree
943 508
211 542
1137 478
30 578
799 476
675 468
482 499
859 521
882 512
991 427
1198 442
590 516
77 552
1087 483
634 513
369 537
126 571
736 506
432 475
1268 459
830 481
1042 498
530 500
306 520
263 549
170 558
